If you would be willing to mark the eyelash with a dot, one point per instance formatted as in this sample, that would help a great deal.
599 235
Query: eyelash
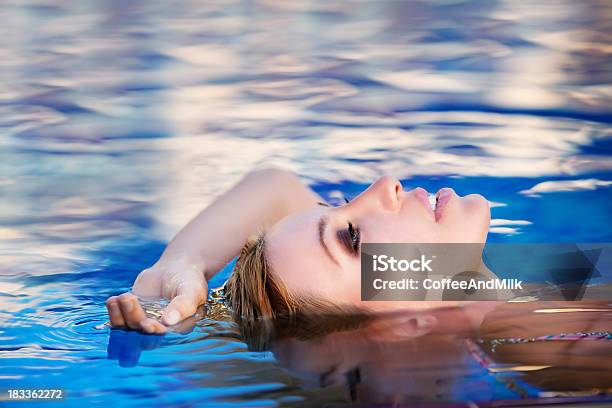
355 237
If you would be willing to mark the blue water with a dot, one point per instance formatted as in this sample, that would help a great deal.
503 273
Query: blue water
119 120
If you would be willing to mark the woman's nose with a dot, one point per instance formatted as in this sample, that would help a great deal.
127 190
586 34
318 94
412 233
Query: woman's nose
384 194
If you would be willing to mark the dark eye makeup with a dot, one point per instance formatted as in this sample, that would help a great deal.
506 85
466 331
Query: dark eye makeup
350 238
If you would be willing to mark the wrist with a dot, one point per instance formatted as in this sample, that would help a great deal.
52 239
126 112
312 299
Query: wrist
181 262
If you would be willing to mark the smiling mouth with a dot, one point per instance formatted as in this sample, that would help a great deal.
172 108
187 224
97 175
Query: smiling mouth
438 201
435 202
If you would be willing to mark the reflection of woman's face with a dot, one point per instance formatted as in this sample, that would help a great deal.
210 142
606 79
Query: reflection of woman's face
316 252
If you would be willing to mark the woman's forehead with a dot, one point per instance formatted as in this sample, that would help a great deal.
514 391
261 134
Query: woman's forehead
302 224
295 234
294 252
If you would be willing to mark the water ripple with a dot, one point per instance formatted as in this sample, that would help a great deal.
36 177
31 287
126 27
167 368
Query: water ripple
121 120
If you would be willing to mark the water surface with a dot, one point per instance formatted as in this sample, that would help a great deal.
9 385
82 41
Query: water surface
120 120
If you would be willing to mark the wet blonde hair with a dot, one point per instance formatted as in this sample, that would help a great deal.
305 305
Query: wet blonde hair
264 309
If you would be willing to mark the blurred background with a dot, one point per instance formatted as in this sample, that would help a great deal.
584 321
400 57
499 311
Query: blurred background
120 120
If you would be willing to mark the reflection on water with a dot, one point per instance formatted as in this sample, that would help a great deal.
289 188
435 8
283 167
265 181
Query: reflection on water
476 353
120 120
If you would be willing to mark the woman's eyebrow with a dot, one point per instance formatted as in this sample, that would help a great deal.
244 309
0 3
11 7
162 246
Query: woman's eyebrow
323 222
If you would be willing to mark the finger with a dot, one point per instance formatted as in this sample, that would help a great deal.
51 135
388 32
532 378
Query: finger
114 312
131 310
183 305
186 326
152 326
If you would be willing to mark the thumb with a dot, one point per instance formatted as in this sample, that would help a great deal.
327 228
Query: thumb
183 305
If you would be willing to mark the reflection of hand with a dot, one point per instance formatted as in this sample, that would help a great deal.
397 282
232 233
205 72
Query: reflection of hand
185 286
127 346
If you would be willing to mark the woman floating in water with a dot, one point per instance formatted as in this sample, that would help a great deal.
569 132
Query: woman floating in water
295 252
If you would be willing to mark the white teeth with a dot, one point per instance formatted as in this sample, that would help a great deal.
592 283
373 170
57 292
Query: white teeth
433 201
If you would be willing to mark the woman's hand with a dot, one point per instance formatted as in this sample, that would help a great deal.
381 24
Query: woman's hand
182 283
206 244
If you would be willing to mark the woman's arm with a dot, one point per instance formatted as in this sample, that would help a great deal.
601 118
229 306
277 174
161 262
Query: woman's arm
206 244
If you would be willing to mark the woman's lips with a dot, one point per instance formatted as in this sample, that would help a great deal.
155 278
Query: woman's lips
443 196
423 196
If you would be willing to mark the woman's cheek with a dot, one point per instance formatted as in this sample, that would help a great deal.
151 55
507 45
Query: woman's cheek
345 287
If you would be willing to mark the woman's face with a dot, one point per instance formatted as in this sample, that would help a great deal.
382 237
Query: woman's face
315 252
